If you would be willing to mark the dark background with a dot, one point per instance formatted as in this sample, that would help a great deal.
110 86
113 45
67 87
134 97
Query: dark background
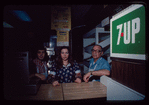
26 36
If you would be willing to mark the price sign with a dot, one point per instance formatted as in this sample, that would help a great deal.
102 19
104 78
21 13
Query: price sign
62 38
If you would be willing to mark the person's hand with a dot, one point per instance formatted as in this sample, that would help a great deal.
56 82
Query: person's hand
78 80
41 76
86 77
55 83
31 75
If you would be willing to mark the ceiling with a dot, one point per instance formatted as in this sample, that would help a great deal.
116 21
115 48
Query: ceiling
41 15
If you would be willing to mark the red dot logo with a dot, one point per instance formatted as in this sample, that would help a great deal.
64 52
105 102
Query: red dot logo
122 34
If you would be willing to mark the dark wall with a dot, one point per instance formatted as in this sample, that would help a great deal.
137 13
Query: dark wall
13 39
131 74
77 46
19 39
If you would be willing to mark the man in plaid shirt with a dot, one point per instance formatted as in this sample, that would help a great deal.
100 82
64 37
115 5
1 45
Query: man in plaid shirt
41 64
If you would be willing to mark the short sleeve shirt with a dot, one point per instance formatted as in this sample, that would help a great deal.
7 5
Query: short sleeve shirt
67 73
100 64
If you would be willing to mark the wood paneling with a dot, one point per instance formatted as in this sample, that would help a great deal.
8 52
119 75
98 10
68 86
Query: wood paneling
129 74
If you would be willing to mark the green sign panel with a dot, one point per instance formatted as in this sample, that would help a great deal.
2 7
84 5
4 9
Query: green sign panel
128 31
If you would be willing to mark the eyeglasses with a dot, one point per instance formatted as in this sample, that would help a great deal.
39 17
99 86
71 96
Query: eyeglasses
96 50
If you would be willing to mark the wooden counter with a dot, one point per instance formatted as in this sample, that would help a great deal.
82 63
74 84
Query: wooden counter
47 92
84 90
68 91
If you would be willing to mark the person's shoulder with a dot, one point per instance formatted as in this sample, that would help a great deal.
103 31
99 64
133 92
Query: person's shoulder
103 60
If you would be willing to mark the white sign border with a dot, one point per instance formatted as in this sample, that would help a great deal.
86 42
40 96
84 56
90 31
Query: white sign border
118 15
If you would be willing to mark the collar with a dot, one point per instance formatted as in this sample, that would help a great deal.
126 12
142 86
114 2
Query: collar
97 60
67 65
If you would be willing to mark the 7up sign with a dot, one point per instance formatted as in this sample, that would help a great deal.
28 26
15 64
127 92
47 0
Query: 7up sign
127 33
127 29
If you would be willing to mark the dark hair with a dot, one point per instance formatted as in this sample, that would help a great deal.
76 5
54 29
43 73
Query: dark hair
46 58
59 59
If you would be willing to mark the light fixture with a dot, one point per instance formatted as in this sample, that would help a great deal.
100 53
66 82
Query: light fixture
6 25
22 15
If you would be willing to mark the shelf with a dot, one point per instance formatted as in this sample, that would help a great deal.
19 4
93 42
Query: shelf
88 41
103 36
95 36
91 34
87 55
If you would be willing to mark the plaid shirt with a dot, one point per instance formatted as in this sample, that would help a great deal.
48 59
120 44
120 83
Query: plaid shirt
41 66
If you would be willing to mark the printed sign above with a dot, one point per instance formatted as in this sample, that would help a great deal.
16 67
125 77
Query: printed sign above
62 38
60 18
127 33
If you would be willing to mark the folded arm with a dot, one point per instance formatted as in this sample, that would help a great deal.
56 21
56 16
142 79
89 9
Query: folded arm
96 73
101 72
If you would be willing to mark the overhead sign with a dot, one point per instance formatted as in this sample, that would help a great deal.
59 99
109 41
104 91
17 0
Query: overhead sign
60 18
127 33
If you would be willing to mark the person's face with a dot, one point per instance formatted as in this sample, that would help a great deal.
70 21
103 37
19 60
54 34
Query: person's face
64 54
96 52
41 54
